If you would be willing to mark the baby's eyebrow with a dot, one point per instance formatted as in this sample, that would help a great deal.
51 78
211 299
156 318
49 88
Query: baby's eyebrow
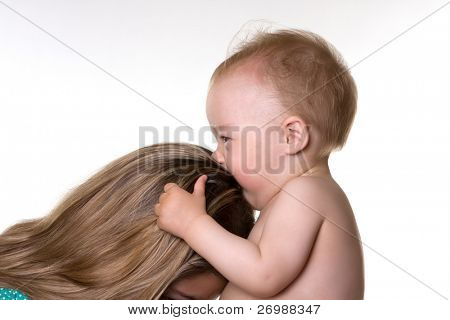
224 127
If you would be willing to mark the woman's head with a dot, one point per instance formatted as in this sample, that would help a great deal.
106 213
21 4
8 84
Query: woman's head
102 241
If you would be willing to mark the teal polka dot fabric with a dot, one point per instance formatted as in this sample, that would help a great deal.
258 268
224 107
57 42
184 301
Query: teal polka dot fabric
12 294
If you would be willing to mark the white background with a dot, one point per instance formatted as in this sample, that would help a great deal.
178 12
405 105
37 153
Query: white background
62 118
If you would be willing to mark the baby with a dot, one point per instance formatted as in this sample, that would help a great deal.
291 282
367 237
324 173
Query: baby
278 107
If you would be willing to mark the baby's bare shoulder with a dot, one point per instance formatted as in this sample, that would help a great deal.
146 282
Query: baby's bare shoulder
322 194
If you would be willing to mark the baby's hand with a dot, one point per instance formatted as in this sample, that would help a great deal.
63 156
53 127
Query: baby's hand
177 208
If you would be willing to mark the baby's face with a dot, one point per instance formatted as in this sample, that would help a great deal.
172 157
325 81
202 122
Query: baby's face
238 106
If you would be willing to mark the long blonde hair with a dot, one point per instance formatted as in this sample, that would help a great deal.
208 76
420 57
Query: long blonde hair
102 241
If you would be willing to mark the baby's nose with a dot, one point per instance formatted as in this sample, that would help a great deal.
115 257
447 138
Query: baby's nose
218 157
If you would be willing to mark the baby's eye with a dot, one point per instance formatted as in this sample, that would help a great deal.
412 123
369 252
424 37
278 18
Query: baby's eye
224 139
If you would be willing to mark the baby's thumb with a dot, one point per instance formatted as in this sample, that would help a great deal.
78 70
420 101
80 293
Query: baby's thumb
199 187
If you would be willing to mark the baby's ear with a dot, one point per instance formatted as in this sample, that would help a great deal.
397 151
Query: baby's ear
295 134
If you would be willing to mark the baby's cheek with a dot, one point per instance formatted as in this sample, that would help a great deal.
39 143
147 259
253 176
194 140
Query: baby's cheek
248 181
245 164
245 171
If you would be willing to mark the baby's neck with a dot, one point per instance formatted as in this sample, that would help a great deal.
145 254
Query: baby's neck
319 169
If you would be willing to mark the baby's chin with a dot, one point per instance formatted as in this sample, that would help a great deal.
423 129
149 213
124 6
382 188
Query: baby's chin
250 199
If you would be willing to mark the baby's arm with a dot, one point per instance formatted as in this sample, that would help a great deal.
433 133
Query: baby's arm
262 269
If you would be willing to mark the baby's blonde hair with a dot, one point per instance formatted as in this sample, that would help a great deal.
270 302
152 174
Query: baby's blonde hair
102 240
310 77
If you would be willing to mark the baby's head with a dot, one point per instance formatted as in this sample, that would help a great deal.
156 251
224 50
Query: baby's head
283 101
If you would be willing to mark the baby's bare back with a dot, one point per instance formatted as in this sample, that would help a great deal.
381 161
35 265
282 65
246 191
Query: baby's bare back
334 268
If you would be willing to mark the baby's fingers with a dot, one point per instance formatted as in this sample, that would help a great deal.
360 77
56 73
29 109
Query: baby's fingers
162 196
169 186
157 209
